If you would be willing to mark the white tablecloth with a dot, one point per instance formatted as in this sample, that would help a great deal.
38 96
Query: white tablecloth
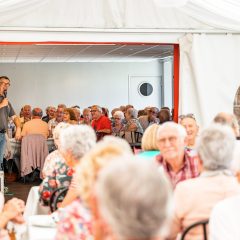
33 206
40 227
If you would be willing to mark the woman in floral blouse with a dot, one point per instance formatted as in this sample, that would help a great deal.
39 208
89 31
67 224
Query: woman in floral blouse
76 219
74 142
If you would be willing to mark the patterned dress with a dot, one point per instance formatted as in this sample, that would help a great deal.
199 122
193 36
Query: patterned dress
74 222
57 174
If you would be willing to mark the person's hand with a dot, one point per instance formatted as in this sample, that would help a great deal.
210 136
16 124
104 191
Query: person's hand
13 208
18 134
7 154
4 103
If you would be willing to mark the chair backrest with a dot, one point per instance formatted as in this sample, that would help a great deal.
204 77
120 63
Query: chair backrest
133 138
34 150
202 223
57 197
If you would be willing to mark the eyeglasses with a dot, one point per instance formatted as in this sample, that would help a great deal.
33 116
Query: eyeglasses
189 115
5 83
116 118
171 140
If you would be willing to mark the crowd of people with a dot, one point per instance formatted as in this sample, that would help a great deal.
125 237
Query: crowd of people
181 174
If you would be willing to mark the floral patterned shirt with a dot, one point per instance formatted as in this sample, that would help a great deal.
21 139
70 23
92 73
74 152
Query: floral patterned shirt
74 222
57 174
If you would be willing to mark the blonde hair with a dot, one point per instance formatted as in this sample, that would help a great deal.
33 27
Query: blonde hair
106 151
149 139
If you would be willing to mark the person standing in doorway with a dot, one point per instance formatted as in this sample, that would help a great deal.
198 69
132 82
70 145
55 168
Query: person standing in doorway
6 112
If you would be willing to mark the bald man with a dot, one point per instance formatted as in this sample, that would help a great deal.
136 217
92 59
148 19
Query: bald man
36 125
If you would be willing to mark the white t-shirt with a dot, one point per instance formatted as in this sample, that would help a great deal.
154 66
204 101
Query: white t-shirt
225 219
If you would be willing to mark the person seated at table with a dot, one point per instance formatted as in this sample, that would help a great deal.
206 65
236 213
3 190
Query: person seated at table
36 125
118 123
126 211
10 211
26 114
75 219
149 143
133 124
189 122
150 118
54 157
100 123
69 116
87 117
55 121
164 115
228 119
51 112
77 112
74 142
225 216
178 162
195 198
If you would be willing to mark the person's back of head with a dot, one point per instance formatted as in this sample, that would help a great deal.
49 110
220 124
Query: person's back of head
164 115
215 146
149 139
37 113
227 119
134 199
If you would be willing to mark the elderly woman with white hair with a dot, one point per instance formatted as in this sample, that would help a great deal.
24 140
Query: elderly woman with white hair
118 126
195 198
76 218
74 142
130 211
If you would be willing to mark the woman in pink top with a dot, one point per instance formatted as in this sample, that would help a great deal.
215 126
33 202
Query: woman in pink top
195 198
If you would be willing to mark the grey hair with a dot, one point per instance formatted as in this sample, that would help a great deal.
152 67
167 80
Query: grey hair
58 129
215 147
132 112
134 198
180 129
119 114
78 139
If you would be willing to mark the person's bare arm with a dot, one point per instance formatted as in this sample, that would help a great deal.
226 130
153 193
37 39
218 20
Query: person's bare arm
18 127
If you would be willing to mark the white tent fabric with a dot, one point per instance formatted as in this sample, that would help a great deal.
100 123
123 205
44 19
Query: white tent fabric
222 14
208 65
209 74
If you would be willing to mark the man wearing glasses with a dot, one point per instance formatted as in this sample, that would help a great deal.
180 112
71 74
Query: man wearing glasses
6 112
178 162
101 124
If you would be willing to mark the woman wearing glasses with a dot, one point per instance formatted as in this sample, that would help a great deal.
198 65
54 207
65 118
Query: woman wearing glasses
118 118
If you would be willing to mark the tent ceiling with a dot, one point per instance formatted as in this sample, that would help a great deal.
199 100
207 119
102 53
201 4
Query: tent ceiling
83 53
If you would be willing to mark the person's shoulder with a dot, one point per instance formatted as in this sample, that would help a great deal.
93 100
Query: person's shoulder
189 185
227 208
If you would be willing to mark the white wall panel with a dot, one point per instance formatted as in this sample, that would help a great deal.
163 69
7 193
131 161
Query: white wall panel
84 84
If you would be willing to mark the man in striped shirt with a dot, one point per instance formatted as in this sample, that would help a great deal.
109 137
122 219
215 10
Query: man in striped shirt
178 162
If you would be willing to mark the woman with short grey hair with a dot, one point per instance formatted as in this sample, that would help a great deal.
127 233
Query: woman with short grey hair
195 198
215 147
133 212
74 142
118 125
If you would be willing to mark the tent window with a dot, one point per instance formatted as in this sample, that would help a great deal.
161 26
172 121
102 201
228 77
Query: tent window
236 107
